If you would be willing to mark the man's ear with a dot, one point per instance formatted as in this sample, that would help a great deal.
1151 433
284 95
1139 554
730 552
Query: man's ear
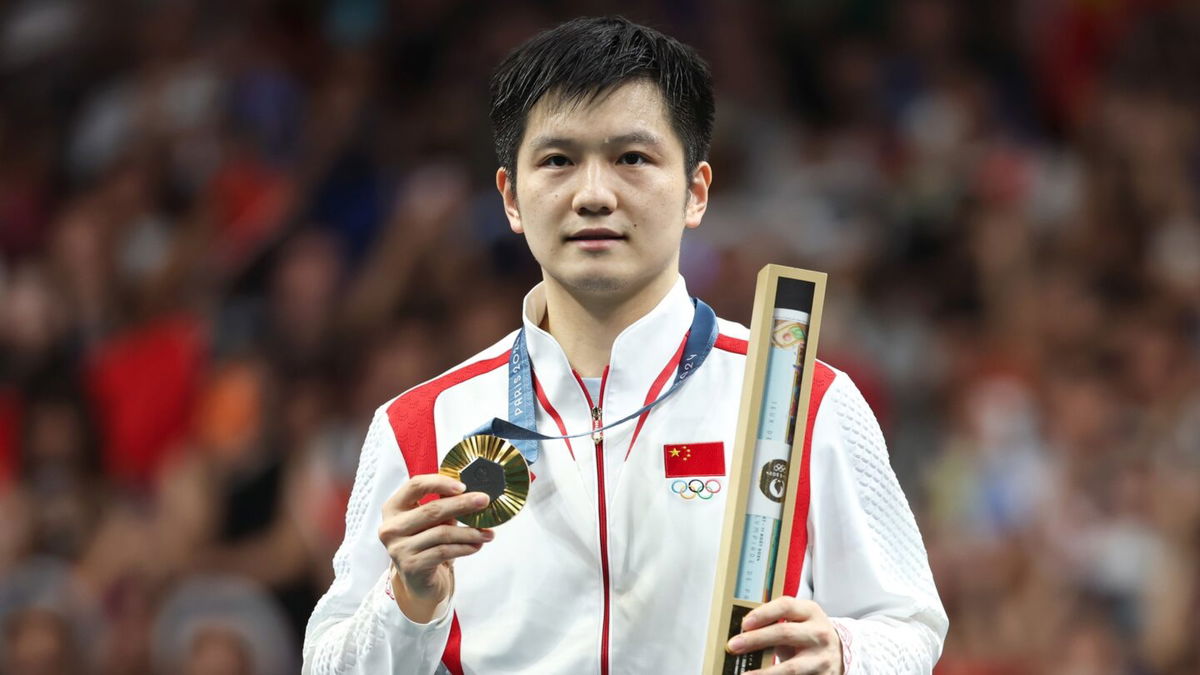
508 192
697 202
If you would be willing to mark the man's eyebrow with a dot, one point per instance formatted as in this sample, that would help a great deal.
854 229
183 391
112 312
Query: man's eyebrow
635 138
540 143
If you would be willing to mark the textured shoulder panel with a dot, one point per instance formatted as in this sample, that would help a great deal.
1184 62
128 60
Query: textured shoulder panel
334 625
893 527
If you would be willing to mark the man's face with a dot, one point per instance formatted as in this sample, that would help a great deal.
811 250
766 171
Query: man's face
601 195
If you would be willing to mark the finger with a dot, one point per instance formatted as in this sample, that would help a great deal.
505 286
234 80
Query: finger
432 557
414 489
779 609
438 512
797 635
444 534
447 509
801 665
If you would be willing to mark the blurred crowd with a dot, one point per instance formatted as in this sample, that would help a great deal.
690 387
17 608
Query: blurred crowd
230 230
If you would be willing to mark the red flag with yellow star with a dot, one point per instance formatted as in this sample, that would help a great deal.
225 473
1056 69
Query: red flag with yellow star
694 459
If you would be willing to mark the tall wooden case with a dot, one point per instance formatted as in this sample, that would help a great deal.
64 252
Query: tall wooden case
754 545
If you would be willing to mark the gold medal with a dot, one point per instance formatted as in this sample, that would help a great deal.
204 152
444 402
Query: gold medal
492 465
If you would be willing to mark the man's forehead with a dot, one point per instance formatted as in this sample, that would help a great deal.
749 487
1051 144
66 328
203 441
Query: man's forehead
635 111
559 100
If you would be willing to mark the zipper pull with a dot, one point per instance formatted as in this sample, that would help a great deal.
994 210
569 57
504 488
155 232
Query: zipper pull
597 436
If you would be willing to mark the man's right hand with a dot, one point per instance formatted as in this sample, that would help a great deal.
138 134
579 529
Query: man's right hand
424 539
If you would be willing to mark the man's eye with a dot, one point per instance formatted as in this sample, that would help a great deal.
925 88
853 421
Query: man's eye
556 160
632 158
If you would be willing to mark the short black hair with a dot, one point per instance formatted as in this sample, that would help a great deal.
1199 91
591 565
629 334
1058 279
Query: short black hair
583 59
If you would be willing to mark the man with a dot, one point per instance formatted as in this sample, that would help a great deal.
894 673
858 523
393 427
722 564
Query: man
602 127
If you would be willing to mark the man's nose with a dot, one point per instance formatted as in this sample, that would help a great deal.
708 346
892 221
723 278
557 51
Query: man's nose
595 194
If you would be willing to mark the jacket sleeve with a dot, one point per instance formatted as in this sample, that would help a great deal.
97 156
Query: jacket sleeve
356 626
869 569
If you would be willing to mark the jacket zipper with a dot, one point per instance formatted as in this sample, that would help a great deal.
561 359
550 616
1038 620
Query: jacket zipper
601 503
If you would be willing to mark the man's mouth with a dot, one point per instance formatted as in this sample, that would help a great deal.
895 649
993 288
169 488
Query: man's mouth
595 234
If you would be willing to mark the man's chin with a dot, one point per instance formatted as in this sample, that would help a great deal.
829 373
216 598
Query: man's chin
597 284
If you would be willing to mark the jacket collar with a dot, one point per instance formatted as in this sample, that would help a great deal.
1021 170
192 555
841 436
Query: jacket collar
639 354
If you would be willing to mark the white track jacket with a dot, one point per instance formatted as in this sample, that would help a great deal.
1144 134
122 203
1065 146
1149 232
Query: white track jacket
607 569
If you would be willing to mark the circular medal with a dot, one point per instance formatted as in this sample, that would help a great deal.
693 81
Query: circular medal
489 464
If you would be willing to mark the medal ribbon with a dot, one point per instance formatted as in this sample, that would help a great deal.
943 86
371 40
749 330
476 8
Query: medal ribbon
520 426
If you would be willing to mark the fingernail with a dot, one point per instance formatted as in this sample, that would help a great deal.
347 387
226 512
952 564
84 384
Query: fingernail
459 488
735 645
488 535
480 500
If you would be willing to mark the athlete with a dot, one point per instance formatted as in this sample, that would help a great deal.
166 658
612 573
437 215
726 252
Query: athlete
602 128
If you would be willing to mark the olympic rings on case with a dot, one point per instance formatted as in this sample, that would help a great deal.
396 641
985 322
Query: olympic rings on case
696 487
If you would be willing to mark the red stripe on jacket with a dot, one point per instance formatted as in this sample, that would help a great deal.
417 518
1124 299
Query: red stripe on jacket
822 377
731 344
411 417
452 655
655 388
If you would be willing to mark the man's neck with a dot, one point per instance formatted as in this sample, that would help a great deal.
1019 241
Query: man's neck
586 327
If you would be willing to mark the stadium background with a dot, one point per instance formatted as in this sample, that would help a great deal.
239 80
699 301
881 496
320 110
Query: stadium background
229 230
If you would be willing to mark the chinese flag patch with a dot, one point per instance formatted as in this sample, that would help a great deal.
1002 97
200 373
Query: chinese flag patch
694 459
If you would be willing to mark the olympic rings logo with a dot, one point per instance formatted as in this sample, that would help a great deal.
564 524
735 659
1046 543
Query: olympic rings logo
691 489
